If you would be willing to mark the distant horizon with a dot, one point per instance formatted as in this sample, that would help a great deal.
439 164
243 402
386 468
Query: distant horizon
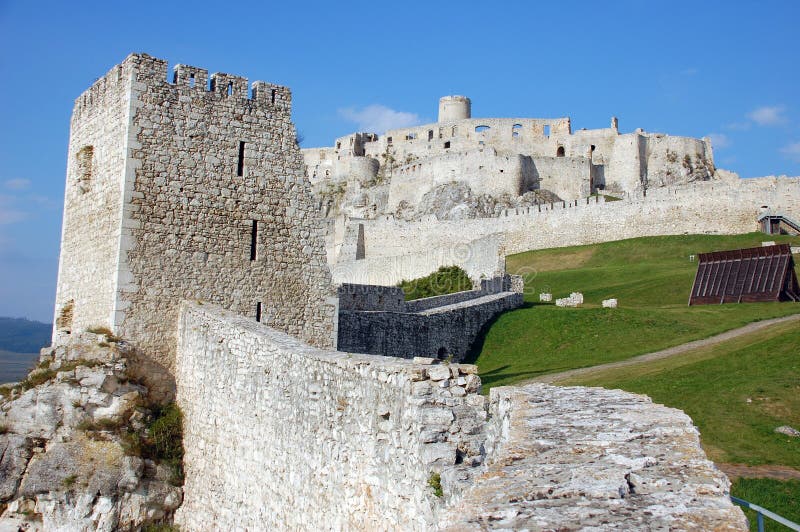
723 70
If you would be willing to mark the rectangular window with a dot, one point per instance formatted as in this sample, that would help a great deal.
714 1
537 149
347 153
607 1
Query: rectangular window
254 241
240 166
258 312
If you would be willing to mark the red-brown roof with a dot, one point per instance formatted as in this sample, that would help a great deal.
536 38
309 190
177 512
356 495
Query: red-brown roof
745 275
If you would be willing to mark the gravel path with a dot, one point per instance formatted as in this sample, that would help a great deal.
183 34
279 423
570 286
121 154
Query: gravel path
664 353
763 471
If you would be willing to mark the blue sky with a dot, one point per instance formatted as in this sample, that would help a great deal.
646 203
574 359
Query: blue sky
727 69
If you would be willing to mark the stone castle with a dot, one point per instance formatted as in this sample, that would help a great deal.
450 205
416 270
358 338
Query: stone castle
192 229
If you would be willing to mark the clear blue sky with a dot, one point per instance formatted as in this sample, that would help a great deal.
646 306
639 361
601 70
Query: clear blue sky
728 69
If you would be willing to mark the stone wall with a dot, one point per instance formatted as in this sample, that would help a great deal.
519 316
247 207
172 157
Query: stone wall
714 207
480 258
90 237
443 327
199 194
283 436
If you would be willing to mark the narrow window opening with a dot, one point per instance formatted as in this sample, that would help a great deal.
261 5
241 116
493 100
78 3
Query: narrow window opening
273 95
258 312
240 165
254 241
430 134
388 140
338 145
593 147
191 81
447 145
560 151
230 88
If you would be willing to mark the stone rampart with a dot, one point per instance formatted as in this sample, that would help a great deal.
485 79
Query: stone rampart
283 436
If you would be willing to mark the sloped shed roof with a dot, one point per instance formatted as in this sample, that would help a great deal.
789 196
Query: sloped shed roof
745 276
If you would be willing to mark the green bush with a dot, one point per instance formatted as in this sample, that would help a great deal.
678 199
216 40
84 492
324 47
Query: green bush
435 482
446 280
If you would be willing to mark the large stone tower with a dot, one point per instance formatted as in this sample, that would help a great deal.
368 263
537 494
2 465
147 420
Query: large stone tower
187 190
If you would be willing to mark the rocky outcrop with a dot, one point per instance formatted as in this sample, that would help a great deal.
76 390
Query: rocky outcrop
72 442
456 201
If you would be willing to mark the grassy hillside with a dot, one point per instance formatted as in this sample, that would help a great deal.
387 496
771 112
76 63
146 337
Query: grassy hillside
737 393
651 277
23 336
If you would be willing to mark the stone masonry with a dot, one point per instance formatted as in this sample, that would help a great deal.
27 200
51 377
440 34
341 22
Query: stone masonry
377 319
189 189
337 441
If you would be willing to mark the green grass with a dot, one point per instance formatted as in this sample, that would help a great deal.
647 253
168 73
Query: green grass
651 277
445 280
713 384
780 497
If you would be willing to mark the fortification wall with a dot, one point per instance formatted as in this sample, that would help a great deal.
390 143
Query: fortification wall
90 238
441 332
322 440
312 439
481 258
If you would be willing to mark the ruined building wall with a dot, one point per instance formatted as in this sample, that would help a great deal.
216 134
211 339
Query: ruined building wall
187 203
90 239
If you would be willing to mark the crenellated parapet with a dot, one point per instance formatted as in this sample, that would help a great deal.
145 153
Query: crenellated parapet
186 80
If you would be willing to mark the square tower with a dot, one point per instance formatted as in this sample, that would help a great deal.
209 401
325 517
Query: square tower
190 189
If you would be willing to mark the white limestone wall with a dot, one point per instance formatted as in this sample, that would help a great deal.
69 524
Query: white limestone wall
482 258
484 170
90 240
711 207
283 436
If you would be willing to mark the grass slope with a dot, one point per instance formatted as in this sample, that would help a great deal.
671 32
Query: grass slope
445 280
780 497
651 277
736 392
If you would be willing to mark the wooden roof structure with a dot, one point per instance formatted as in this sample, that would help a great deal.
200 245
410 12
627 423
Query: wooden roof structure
745 276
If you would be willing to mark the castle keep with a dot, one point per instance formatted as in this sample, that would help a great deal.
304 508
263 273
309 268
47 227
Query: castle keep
190 188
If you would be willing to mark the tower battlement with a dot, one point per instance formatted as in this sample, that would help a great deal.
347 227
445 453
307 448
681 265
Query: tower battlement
142 71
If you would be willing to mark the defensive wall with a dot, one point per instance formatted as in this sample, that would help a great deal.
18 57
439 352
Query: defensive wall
285 436
393 247
187 189
378 320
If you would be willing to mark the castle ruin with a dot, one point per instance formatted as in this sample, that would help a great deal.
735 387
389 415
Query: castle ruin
191 230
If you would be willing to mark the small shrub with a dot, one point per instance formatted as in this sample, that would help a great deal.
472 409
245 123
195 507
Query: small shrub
435 482
44 364
446 280
104 425
36 378
160 527
69 481
105 331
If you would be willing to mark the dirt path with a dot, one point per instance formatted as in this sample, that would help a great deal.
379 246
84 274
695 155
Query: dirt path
672 351
764 471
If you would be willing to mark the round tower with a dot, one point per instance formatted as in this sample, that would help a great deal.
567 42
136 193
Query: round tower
454 108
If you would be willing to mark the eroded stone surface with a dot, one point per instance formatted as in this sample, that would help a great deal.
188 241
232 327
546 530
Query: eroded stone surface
587 458
63 462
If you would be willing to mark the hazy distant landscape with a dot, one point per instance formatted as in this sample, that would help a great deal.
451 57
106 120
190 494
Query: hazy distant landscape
20 341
